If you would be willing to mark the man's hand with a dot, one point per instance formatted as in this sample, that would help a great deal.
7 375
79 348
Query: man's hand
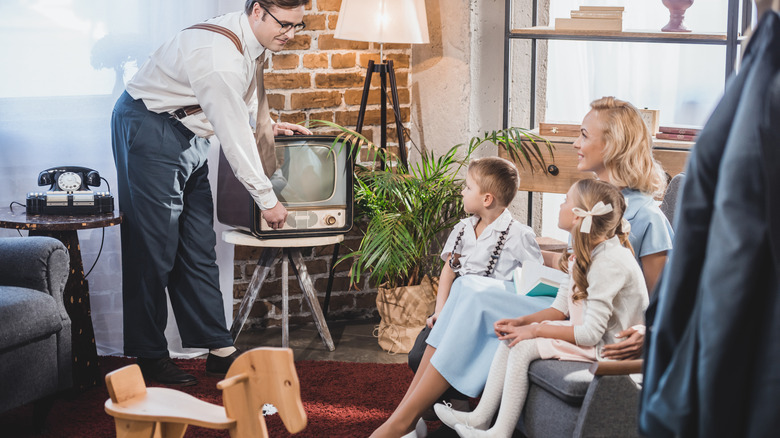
630 348
275 216
284 128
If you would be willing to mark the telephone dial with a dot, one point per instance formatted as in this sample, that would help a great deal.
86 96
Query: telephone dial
69 193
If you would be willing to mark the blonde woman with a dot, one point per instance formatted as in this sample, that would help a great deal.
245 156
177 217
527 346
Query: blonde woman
615 144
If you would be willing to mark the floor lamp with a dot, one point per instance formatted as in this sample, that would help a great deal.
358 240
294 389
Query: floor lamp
383 21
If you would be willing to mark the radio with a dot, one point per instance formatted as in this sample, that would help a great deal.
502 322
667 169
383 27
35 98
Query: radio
69 193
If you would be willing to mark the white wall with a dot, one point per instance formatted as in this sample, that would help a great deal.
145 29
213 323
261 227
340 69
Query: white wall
457 79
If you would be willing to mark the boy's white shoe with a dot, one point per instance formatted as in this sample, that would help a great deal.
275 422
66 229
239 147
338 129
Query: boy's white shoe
421 428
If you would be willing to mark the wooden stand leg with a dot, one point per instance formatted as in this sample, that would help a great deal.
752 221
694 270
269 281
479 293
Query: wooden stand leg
311 297
264 265
285 302
86 372
331 273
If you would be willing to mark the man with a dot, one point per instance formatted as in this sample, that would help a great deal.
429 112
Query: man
202 82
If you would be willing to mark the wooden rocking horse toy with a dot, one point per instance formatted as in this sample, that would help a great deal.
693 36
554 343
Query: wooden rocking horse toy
258 376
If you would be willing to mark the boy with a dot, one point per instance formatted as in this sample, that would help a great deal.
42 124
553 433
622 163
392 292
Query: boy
488 243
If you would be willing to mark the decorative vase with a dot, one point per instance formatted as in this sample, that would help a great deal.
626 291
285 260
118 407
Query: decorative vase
676 15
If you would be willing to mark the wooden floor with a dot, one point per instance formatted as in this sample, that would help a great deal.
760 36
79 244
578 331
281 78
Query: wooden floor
354 342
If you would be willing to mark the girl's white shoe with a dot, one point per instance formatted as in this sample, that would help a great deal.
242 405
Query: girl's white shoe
452 417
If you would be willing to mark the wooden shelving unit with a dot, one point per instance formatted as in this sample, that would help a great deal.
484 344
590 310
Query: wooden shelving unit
671 152
549 33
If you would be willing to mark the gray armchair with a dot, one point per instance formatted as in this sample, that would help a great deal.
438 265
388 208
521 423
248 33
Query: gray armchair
35 330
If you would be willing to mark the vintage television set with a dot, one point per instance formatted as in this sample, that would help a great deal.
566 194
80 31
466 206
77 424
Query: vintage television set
314 183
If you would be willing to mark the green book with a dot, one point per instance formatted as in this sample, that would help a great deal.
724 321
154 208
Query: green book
544 288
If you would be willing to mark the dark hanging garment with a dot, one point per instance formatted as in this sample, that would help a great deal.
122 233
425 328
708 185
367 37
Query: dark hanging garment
713 354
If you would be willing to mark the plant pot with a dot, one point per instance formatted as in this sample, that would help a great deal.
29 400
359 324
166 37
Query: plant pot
677 10
403 311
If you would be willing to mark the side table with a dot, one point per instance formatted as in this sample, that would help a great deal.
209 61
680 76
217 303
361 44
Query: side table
86 372
291 250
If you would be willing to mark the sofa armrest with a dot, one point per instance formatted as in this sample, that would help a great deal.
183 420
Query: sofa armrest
611 404
39 263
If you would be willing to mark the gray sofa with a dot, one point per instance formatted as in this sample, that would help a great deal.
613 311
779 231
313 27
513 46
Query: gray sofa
35 330
579 399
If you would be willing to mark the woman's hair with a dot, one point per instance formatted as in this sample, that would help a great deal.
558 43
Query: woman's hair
496 176
284 4
628 148
588 193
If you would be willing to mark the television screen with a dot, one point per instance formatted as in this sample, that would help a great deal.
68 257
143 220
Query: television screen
301 164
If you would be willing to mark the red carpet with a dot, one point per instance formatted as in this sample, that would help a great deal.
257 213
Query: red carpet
342 399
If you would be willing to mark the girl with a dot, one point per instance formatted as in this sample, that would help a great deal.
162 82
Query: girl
606 293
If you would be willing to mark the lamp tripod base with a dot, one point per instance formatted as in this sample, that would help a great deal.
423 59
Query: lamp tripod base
386 72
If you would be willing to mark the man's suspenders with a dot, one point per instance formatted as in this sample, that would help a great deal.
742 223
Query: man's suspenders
194 109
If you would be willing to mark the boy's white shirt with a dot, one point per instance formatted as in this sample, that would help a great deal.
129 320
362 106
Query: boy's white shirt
520 245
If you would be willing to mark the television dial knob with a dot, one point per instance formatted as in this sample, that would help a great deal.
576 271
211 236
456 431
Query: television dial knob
330 220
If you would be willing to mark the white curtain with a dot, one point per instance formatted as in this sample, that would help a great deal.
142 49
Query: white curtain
64 65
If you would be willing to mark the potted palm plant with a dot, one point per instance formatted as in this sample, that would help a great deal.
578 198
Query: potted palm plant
407 212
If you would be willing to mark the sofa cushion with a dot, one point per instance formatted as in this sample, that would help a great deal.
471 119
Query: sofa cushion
566 380
26 314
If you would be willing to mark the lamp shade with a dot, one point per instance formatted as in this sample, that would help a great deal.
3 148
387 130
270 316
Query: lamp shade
383 21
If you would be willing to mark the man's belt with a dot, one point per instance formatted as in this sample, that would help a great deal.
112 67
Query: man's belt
186 111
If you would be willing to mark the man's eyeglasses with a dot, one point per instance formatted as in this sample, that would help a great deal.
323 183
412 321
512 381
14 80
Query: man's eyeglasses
286 26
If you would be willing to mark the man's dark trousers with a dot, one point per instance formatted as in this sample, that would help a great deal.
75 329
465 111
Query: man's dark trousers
168 236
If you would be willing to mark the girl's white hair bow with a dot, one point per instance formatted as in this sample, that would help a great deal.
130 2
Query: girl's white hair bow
587 216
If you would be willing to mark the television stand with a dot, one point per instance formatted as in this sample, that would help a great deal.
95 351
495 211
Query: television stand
290 250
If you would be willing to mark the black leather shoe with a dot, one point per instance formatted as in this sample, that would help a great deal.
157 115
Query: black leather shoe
218 366
164 371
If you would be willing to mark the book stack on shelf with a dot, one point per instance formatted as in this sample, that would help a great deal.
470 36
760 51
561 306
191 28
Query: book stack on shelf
609 18
681 133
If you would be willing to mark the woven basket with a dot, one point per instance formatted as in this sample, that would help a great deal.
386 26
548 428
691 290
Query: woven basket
403 311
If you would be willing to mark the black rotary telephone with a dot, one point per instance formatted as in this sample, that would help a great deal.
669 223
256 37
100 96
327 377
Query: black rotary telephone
69 193
69 178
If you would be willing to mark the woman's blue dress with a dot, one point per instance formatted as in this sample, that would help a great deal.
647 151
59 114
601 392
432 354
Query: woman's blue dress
463 334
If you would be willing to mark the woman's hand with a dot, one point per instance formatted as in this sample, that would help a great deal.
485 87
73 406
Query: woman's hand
432 320
515 334
501 326
630 348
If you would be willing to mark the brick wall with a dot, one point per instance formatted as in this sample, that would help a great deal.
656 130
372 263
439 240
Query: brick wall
320 77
